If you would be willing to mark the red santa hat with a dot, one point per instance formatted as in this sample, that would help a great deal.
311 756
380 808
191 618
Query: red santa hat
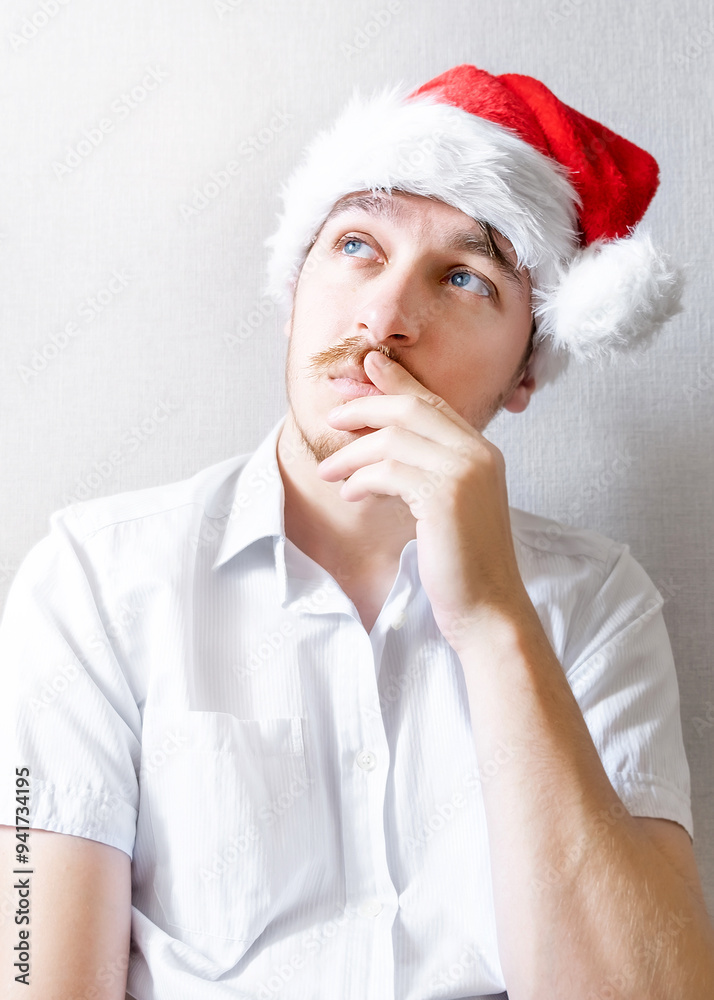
566 191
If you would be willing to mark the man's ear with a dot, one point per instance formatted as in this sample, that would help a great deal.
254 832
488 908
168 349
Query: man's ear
521 396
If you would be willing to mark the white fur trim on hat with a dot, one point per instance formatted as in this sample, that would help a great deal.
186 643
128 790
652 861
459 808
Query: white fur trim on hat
587 303
612 295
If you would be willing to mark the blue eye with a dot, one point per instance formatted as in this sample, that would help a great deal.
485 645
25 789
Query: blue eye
483 290
352 242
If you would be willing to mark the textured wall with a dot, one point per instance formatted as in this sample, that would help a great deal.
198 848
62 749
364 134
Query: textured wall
137 348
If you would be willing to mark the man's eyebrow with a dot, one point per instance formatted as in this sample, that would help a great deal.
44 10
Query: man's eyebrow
460 242
388 208
468 242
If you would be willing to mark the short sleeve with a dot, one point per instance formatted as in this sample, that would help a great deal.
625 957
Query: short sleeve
66 709
620 667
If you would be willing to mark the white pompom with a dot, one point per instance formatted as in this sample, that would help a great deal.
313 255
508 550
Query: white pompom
612 297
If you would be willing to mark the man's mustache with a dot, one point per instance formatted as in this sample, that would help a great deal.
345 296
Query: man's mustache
346 353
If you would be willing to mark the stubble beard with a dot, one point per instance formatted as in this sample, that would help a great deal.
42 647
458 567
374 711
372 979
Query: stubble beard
319 446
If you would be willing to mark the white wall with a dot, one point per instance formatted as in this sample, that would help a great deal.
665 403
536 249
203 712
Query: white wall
626 452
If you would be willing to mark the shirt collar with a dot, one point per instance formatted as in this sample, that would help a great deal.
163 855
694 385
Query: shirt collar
258 506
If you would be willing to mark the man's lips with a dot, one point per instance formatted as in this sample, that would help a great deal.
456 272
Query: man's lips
352 381
353 387
353 372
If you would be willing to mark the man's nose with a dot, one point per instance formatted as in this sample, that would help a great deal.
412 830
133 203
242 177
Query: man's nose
397 307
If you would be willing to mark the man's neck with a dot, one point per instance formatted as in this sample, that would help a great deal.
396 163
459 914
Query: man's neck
352 539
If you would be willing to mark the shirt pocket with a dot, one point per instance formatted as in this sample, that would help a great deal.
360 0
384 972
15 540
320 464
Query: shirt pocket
232 821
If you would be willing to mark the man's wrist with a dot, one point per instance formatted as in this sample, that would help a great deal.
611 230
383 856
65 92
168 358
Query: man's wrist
506 627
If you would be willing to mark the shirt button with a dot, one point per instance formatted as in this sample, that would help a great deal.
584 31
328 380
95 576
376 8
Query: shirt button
366 760
371 909
398 621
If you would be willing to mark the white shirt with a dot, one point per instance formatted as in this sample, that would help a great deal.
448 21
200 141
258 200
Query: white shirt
301 800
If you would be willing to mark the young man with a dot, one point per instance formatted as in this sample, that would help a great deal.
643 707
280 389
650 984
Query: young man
363 730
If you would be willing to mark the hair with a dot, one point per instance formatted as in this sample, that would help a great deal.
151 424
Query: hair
530 347
493 248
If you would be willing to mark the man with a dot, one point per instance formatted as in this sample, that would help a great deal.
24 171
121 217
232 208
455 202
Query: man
363 730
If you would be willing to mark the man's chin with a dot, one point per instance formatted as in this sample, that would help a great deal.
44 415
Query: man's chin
323 445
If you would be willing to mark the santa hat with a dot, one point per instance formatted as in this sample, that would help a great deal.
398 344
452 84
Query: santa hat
566 191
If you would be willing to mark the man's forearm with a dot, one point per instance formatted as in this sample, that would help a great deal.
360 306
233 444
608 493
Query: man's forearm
583 898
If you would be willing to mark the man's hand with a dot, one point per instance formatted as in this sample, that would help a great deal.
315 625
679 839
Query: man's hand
453 481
